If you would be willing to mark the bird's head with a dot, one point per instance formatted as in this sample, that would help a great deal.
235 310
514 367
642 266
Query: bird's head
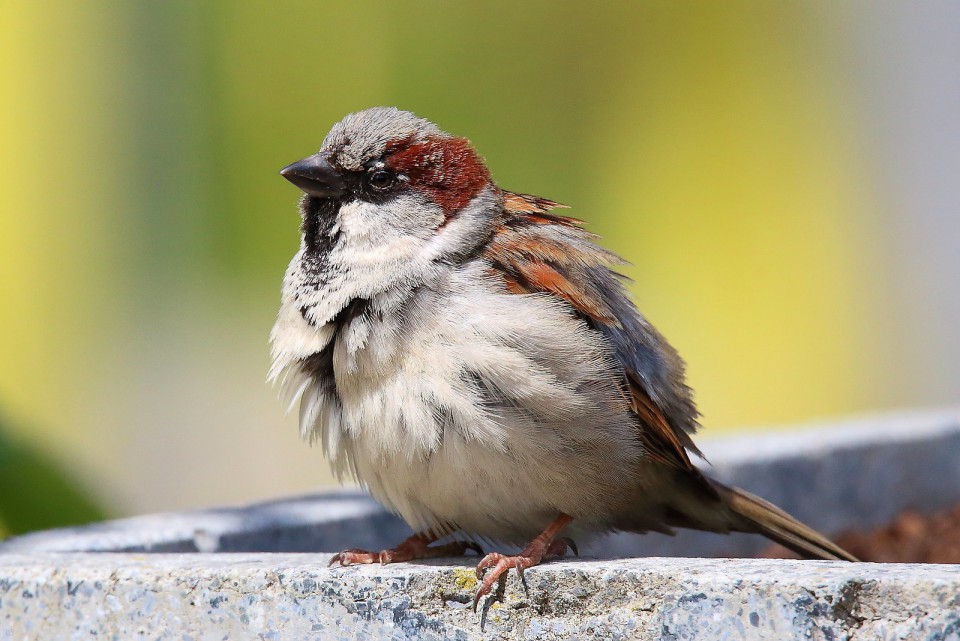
386 172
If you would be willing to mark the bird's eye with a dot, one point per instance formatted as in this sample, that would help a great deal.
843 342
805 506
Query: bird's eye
382 180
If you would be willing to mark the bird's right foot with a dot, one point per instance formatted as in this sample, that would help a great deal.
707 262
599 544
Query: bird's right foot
413 548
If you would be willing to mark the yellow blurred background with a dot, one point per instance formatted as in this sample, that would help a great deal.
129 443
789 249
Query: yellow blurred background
778 174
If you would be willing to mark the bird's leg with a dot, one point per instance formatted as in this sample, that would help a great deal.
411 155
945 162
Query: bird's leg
492 566
414 547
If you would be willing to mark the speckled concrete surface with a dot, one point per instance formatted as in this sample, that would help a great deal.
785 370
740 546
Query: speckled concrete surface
293 596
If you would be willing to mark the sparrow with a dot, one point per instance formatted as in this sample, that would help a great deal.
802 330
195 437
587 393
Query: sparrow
470 356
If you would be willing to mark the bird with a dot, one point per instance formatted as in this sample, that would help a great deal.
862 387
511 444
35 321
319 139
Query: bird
471 356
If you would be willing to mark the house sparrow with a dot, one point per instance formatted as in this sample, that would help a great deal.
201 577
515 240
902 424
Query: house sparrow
466 354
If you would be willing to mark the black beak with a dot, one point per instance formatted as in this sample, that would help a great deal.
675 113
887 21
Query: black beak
316 176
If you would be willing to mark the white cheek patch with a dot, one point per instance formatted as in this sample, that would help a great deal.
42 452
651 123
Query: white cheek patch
407 215
359 220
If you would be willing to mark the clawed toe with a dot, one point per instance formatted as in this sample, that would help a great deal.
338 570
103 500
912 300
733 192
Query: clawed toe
495 566
488 562
353 557
415 547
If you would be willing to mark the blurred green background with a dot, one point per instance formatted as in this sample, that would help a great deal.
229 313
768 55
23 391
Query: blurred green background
778 174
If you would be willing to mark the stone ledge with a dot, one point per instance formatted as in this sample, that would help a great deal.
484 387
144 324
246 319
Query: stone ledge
294 596
87 582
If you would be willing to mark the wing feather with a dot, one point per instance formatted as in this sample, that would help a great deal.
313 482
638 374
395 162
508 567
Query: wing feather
534 250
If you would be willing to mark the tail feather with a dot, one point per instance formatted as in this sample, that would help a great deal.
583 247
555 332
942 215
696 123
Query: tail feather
767 519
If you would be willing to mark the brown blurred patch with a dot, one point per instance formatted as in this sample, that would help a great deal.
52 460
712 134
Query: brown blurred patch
911 538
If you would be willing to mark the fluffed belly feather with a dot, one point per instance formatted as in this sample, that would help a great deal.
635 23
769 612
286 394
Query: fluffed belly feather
490 429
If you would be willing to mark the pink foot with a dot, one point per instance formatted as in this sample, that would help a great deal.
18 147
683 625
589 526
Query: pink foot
415 547
493 566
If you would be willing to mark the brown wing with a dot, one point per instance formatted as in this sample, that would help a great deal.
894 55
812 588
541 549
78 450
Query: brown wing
534 250
659 438
537 250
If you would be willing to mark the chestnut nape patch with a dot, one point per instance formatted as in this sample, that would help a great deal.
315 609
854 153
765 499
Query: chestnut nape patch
447 170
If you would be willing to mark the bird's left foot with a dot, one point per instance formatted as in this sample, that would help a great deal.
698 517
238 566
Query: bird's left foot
495 565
